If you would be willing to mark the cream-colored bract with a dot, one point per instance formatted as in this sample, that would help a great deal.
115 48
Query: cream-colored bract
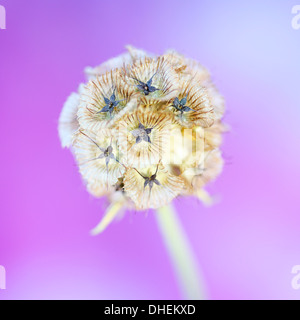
145 129
97 155
197 99
68 122
139 148
163 78
93 101
156 195
126 58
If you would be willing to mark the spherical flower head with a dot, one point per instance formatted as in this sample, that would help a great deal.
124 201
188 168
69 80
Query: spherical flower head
145 129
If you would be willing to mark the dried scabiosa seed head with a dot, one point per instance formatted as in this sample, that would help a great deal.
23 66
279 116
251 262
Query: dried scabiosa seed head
145 129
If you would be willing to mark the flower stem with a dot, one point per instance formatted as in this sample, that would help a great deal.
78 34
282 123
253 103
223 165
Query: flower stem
181 254
109 216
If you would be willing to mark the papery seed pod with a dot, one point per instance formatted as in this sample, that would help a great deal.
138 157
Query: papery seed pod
98 157
125 58
152 187
186 67
143 137
113 63
153 79
68 123
191 69
205 172
192 106
212 136
138 54
216 99
105 100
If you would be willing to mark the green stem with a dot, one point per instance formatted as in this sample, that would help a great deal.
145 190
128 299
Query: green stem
181 254
109 216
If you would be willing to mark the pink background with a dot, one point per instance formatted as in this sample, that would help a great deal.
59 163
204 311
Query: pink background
246 244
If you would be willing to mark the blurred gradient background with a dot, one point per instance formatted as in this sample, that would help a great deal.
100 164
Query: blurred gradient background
246 244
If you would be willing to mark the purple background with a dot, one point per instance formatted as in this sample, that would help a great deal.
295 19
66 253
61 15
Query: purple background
246 244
